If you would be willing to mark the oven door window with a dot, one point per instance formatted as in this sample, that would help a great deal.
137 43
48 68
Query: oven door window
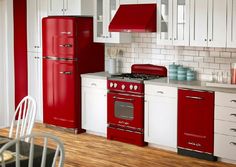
124 110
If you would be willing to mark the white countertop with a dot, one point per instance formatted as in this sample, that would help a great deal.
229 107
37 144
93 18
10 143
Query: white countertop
199 85
188 84
99 75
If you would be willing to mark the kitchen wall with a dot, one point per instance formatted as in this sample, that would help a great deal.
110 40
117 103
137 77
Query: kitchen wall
144 49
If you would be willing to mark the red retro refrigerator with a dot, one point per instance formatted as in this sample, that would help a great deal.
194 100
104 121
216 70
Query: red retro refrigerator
68 51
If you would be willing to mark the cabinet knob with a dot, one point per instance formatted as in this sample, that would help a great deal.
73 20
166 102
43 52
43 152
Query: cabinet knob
175 38
210 40
170 38
233 143
62 10
205 39
233 115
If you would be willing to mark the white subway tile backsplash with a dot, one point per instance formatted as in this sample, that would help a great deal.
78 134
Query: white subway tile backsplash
225 54
188 58
144 49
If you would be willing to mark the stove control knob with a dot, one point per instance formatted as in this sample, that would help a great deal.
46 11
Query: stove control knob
135 87
123 87
115 85
131 87
111 84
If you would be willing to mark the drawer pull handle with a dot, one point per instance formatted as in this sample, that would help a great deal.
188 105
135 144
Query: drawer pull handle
160 92
67 33
233 115
233 143
66 46
93 84
233 101
194 97
233 129
66 72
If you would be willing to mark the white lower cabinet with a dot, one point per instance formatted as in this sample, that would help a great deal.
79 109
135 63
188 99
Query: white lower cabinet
225 126
35 88
161 116
94 105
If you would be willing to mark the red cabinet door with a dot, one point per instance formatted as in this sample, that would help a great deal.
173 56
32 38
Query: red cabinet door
196 120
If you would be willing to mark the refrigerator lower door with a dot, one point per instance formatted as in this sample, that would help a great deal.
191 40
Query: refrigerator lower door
60 93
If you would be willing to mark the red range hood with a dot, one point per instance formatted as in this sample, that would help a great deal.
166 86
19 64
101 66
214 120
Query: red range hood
134 18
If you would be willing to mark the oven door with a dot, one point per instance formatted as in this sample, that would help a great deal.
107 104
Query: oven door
126 110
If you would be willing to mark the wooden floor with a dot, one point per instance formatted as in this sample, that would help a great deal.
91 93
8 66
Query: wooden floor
87 150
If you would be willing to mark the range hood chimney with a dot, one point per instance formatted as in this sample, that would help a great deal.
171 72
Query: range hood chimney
134 18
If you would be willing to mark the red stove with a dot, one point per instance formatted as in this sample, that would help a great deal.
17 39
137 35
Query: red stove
126 103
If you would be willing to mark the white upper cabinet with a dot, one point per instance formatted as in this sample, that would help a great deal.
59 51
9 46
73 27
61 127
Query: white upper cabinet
173 22
137 1
36 10
70 7
208 23
146 1
128 2
231 30
103 14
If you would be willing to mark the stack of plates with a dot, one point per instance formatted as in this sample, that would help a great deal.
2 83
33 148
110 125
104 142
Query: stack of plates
191 75
180 73
173 71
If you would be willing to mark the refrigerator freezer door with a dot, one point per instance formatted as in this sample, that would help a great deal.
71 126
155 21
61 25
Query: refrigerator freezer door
59 36
60 105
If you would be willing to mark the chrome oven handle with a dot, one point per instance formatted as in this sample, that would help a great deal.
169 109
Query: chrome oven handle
120 98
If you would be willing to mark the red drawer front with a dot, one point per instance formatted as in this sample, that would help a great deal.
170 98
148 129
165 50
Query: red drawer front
196 120
125 136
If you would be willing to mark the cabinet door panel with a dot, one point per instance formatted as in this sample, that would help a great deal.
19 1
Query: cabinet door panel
217 23
181 22
161 121
72 7
55 7
196 120
35 81
164 22
128 2
32 25
98 21
231 30
146 1
198 22
94 110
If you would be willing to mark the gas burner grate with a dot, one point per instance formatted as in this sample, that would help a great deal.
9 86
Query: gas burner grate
135 76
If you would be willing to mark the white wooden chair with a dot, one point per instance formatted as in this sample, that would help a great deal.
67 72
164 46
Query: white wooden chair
58 158
24 117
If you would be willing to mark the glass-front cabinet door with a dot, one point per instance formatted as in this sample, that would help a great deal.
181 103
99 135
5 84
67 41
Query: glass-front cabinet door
164 22
99 21
173 22
112 7
105 10
181 22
